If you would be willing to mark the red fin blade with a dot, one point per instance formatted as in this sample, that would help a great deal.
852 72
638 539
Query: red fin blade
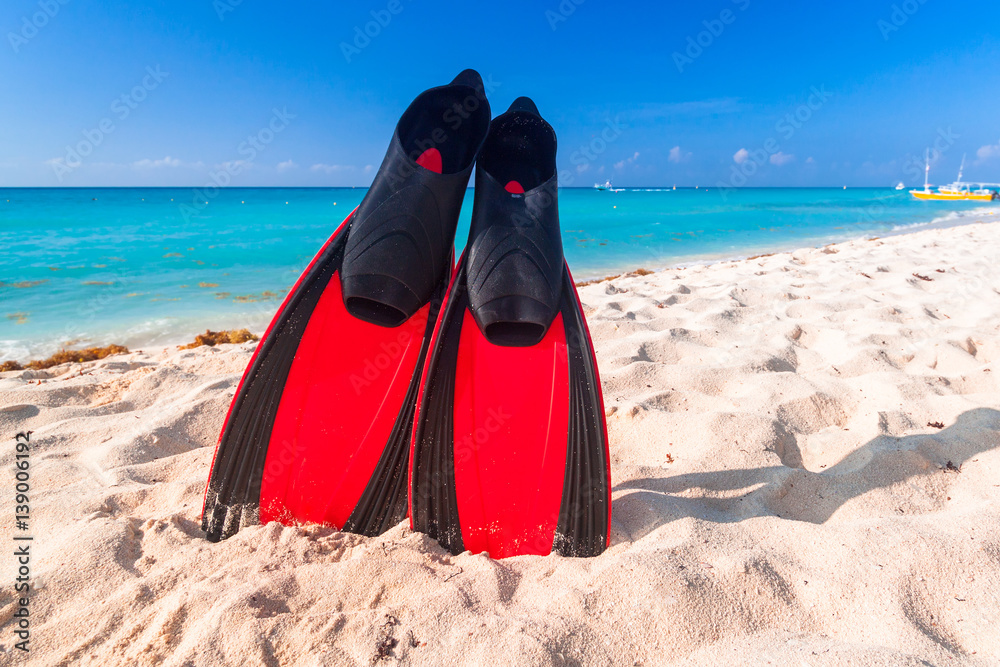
320 459
510 444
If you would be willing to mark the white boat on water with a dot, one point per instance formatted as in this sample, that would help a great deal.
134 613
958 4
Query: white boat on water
607 186
901 186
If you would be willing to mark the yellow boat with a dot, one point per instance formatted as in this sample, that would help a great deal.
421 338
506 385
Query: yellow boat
957 191
946 194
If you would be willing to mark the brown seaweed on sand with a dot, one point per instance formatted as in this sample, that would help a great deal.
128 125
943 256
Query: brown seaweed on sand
212 338
637 272
66 357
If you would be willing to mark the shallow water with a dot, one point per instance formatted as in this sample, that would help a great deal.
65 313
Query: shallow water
144 266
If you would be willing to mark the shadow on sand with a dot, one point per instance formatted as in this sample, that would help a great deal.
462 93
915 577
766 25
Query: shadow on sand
800 495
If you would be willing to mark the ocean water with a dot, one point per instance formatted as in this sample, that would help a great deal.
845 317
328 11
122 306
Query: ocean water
147 266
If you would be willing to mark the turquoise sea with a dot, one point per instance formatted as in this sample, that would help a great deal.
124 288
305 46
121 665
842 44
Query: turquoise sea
145 266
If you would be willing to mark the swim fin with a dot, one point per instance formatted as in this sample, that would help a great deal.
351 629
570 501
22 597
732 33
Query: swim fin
319 429
510 449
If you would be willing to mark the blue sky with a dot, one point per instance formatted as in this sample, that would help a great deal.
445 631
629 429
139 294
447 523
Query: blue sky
733 92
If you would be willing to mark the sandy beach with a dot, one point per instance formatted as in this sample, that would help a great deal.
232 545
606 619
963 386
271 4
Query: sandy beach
806 470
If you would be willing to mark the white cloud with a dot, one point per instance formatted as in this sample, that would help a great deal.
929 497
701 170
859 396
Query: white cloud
155 164
809 160
286 165
332 168
988 152
677 155
627 161
740 156
779 159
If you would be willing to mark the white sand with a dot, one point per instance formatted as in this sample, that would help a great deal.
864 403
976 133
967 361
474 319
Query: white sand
779 497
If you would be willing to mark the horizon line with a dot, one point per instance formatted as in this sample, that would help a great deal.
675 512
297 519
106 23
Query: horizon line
469 187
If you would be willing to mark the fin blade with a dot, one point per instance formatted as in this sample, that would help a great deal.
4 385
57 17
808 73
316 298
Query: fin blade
585 514
510 452
232 495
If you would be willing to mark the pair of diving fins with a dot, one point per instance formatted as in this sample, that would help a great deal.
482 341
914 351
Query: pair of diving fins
393 383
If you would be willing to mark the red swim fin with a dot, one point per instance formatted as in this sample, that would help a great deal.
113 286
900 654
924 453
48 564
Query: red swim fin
510 451
319 429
